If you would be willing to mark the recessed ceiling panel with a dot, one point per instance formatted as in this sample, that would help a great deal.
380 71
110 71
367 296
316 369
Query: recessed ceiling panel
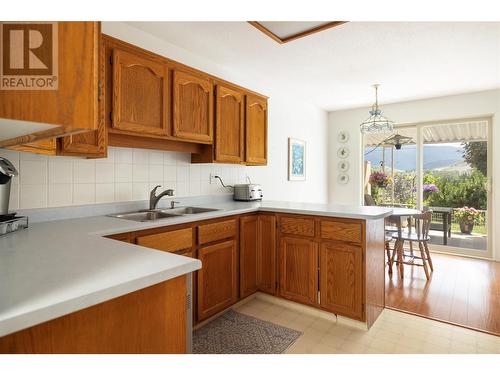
286 31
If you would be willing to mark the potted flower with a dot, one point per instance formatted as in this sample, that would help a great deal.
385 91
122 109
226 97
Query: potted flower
429 189
467 217
378 180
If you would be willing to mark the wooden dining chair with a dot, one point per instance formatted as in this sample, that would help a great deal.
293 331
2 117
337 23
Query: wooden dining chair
420 235
392 225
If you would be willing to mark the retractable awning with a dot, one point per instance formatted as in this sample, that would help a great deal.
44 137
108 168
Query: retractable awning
449 132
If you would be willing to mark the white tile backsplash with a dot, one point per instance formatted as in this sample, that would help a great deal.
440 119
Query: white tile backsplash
140 191
104 193
169 173
33 196
104 173
123 191
170 158
182 189
60 195
140 156
125 175
140 172
33 172
60 171
84 171
182 173
156 158
194 172
123 172
156 172
123 155
83 193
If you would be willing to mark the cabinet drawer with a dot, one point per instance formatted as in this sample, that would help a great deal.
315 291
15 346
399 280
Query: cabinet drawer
216 231
342 231
169 241
298 226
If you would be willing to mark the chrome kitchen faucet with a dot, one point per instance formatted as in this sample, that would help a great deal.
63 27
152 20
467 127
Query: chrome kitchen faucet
153 198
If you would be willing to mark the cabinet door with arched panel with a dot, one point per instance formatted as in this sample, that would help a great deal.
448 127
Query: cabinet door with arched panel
140 94
256 130
192 107
229 125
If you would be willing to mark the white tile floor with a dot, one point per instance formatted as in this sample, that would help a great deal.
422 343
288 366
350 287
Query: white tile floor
393 332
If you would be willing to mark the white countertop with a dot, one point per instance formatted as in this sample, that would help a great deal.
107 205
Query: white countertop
333 210
59 267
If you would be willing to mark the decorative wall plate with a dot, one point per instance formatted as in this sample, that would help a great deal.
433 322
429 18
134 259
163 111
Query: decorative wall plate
343 166
343 152
343 178
343 137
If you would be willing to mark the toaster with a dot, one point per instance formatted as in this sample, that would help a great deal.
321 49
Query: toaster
247 192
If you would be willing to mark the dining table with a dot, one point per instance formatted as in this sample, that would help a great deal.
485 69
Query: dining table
402 213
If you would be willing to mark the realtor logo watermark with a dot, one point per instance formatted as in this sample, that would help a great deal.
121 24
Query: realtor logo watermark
29 56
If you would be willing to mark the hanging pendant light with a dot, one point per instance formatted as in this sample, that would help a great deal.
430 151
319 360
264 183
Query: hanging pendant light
376 123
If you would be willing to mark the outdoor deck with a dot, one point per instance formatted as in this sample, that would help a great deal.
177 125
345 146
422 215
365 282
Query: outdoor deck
469 241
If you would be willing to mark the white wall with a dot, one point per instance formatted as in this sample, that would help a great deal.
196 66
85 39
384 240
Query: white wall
485 103
64 181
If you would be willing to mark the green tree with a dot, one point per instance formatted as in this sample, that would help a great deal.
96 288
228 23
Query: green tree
466 189
476 155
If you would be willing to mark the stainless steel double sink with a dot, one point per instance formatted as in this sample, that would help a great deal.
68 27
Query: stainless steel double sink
152 215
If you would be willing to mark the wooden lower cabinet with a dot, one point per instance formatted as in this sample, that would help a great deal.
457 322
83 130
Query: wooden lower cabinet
217 279
318 261
257 254
175 241
298 259
266 254
151 320
341 279
249 243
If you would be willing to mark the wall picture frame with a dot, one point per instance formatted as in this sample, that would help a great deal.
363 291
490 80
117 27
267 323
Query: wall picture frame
296 159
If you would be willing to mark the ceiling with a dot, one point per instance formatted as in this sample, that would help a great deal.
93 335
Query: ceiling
334 69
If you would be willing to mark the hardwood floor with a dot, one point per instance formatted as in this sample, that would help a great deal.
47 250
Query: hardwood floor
462 291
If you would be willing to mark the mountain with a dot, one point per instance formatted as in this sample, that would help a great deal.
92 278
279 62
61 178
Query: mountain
435 157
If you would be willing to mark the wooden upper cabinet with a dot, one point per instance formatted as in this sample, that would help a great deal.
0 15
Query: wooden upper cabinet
229 125
193 107
74 105
217 279
140 94
341 279
299 269
256 130
248 254
45 147
266 254
92 144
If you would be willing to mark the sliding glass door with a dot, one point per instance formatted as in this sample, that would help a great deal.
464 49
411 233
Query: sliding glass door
442 167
